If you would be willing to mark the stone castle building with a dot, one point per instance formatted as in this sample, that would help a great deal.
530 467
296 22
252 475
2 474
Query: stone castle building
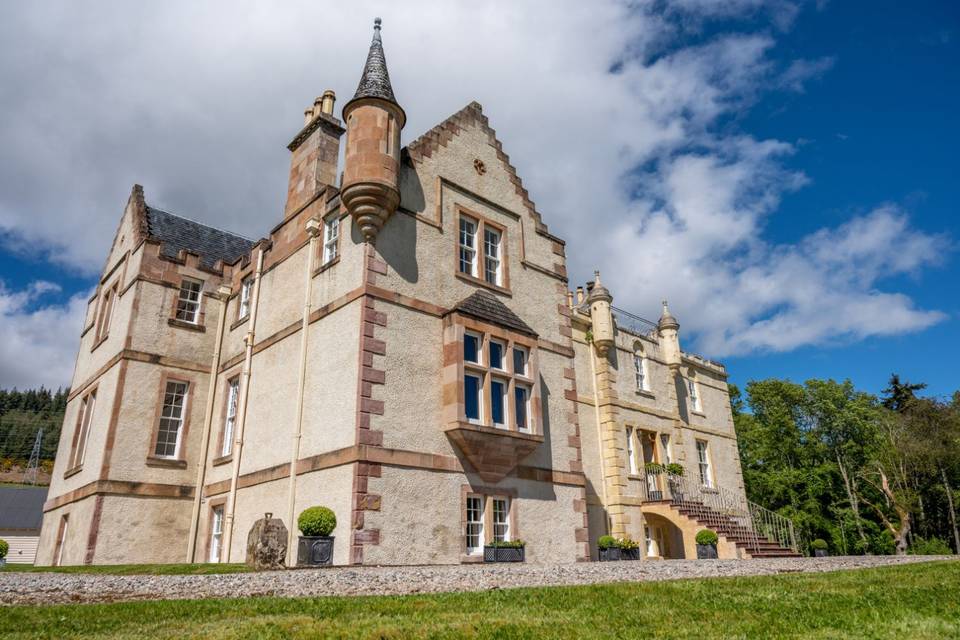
402 347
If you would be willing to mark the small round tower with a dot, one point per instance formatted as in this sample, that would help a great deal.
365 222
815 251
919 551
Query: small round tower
601 316
370 189
669 331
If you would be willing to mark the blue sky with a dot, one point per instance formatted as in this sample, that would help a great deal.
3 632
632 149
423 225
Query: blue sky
782 171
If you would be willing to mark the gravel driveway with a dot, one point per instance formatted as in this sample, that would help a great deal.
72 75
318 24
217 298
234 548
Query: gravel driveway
58 588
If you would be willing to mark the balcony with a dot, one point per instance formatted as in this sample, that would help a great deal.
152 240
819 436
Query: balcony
492 452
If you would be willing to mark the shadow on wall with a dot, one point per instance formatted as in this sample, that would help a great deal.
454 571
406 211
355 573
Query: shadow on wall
397 242
681 397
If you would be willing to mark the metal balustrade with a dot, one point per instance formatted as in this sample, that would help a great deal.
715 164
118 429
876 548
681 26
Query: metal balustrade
718 507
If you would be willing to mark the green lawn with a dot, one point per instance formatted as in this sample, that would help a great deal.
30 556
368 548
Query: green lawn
914 601
133 569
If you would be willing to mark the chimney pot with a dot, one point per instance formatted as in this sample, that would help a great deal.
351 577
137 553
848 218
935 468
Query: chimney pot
327 100
307 116
579 295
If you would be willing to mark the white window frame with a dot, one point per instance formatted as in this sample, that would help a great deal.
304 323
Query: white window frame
216 533
640 371
467 238
87 406
694 395
703 463
331 239
233 398
246 292
631 453
475 525
500 518
492 262
178 420
188 309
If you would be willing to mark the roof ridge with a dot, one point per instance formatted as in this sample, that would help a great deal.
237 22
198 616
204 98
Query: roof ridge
202 224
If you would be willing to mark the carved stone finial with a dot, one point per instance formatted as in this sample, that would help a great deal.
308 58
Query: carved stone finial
376 23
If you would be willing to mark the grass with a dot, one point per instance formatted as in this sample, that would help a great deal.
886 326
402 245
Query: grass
916 601
133 569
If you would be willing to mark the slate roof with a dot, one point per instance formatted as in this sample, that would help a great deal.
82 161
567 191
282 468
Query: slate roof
375 81
21 508
210 244
486 306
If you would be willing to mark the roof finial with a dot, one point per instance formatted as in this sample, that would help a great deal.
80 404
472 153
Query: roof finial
596 277
376 23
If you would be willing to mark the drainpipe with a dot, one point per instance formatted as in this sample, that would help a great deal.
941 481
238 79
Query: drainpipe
313 228
224 292
242 411
596 411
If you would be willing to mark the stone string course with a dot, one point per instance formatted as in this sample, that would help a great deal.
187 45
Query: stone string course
62 588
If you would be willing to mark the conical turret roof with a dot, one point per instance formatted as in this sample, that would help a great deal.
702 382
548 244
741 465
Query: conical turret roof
375 81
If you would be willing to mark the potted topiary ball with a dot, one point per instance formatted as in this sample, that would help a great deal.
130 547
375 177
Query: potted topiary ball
4 549
608 548
629 549
707 545
315 548
819 547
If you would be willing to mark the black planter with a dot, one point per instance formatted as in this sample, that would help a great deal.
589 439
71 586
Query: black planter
706 552
630 554
610 555
503 554
820 553
315 551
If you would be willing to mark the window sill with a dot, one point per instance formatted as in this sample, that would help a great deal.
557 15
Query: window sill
99 341
645 394
222 460
182 324
326 266
239 322
483 283
170 463
72 472
699 413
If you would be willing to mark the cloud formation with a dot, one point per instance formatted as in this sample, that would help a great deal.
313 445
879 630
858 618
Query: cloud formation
616 115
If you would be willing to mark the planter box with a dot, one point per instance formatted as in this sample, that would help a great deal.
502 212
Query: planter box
630 554
315 551
503 554
820 553
706 552
609 555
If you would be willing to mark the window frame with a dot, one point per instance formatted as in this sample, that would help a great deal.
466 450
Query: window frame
213 539
81 434
61 540
497 259
245 298
330 246
178 459
494 536
197 313
226 435
705 466
487 533
108 305
693 394
480 534
479 248
641 371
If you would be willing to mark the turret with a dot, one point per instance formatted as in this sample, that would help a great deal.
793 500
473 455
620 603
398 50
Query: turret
370 189
601 316
668 329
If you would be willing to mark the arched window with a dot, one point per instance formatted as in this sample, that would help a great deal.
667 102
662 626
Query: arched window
640 368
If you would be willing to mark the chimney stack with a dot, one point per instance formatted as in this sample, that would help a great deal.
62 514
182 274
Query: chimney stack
315 152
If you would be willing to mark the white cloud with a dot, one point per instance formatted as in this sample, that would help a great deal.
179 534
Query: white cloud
197 101
38 342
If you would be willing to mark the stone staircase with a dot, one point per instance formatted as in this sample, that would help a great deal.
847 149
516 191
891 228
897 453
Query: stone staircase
757 545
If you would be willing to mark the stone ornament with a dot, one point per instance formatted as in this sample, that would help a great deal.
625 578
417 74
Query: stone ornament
267 544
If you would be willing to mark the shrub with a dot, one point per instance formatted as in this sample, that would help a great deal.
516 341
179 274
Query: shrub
705 536
654 468
606 542
675 468
4 548
317 521
819 544
930 547
627 543
508 544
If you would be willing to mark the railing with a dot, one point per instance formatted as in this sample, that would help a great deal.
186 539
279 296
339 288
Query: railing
633 323
755 522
